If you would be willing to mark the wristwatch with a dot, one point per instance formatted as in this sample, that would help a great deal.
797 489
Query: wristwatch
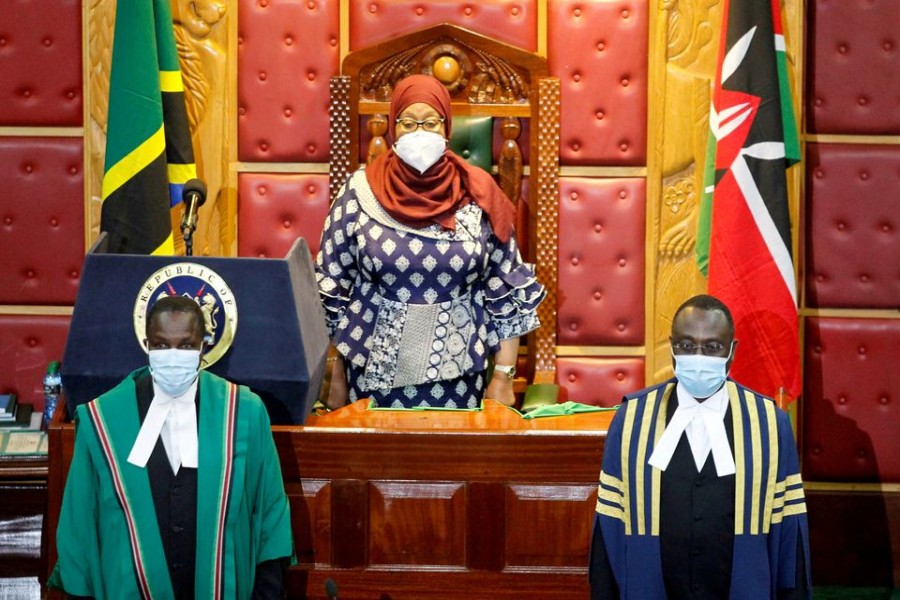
508 370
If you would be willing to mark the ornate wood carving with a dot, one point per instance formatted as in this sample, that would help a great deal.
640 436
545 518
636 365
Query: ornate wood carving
545 192
99 37
509 164
377 127
201 37
689 52
479 77
339 133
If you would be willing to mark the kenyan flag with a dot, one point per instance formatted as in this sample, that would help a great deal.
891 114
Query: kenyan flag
744 236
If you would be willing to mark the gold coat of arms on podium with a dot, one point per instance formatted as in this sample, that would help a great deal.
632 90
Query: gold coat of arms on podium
202 285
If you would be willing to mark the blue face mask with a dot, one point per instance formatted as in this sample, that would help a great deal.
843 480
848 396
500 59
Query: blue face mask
701 375
174 370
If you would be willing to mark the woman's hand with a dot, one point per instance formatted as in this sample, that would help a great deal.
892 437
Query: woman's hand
500 389
338 392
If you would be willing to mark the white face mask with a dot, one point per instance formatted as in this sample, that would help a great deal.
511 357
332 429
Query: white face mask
420 149
174 370
701 375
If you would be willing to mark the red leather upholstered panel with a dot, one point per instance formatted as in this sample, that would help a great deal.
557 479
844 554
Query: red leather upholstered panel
510 21
853 239
599 52
286 51
599 381
41 220
27 345
40 63
274 210
853 57
601 261
852 411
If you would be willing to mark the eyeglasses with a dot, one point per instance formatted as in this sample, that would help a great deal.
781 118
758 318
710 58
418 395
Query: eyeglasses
709 348
431 124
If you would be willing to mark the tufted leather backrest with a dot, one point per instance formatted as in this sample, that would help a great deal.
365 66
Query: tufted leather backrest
471 139
40 64
599 52
851 416
852 246
853 60
42 220
601 261
276 209
42 210
852 209
599 381
275 62
510 21
601 285
287 51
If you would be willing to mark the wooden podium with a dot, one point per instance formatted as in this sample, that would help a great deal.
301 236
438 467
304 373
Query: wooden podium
428 504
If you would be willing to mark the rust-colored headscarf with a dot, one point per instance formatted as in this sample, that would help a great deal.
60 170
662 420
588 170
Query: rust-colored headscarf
418 200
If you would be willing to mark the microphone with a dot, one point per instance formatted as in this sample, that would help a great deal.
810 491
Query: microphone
193 195
331 589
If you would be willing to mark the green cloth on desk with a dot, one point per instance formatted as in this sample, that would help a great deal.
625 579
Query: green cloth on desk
565 408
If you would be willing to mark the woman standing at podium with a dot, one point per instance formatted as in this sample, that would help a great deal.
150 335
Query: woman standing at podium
419 272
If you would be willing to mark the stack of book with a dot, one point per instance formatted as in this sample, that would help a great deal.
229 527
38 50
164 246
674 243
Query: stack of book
20 432
14 414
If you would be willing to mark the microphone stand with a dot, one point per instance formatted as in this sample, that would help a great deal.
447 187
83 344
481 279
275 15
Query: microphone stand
188 236
193 196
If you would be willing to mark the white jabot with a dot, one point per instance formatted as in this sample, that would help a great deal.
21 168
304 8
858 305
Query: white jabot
175 421
704 424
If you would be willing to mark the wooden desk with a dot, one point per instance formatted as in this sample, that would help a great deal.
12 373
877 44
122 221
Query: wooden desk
431 504
23 501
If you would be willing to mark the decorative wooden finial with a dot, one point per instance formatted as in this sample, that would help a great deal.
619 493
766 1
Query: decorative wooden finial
377 127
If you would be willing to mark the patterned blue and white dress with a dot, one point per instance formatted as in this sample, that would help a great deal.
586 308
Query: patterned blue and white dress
416 313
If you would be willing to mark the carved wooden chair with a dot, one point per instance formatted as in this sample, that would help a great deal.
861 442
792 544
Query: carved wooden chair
487 80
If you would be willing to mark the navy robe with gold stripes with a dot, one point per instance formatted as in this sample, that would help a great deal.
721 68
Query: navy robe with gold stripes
635 501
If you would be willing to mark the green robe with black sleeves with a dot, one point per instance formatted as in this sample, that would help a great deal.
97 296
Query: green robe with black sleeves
108 540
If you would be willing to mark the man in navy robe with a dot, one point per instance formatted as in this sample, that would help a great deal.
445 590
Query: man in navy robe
700 493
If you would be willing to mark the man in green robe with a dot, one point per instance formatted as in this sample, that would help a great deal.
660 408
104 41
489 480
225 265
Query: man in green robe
175 488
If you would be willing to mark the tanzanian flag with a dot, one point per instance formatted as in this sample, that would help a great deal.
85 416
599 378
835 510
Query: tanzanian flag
148 143
744 238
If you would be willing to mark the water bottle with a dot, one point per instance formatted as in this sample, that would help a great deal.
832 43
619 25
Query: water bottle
52 389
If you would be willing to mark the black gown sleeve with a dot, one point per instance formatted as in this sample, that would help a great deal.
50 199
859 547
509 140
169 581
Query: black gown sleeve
269 581
268 584
603 582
